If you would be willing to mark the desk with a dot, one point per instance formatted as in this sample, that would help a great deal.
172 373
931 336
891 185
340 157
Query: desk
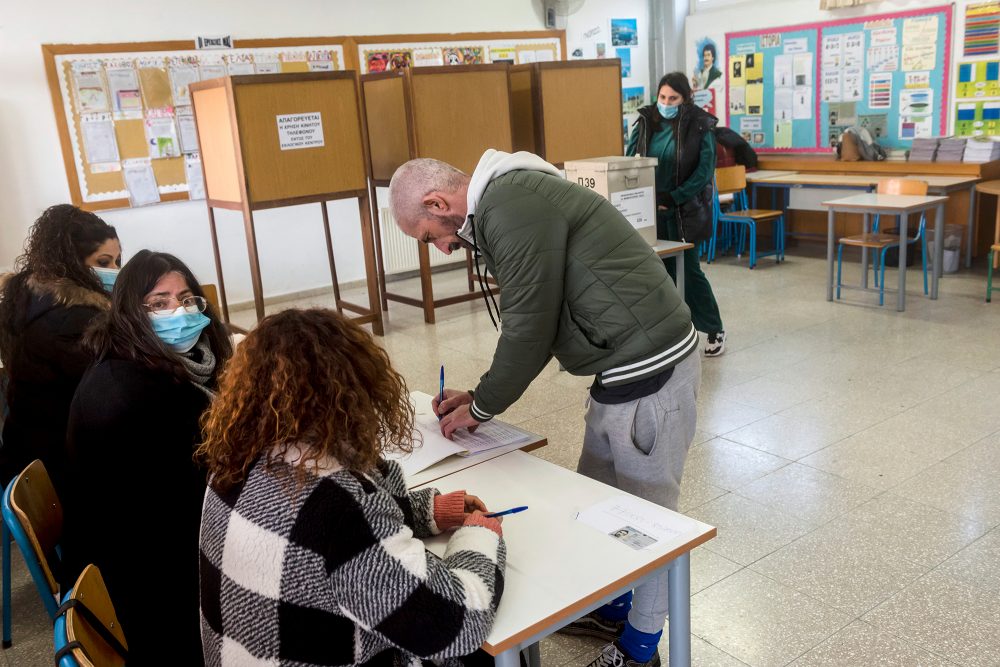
936 185
676 250
559 569
899 205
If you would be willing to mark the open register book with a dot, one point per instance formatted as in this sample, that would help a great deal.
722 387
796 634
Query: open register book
490 436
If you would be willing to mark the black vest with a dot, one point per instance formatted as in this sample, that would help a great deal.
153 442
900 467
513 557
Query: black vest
692 123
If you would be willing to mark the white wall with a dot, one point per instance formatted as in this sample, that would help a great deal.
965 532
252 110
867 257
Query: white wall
293 255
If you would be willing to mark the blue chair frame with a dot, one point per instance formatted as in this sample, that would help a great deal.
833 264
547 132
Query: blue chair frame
724 228
59 636
878 257
5 537
13 524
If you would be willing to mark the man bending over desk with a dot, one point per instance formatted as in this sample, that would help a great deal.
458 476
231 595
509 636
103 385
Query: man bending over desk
580 284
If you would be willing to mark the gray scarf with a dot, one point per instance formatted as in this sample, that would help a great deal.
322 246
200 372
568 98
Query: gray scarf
199 362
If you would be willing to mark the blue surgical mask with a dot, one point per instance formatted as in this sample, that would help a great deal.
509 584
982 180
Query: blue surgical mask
667 112
106 276
178 328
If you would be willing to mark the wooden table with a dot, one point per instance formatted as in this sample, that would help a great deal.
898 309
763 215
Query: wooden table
936 185
559 569
898 205
993 188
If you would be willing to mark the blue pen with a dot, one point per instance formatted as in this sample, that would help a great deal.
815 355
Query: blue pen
441 391
513 510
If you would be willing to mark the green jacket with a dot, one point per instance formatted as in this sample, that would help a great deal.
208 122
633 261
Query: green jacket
576 282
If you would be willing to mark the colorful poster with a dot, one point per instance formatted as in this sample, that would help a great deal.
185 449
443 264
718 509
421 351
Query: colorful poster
706 74
625 56
123 83
466 55
633 98
755 99
161 133
737 65
917 80
88 83
975 119
624 32
755 67
880 91
981 79
982 29
877 124
705 99
883 58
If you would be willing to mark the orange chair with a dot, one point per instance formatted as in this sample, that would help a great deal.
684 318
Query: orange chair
881 243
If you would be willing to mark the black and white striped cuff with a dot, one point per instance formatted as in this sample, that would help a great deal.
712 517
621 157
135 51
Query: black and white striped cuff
478 414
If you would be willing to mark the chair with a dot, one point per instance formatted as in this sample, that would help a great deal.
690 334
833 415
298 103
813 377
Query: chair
881 243
33 514
87 631
995 248
733 180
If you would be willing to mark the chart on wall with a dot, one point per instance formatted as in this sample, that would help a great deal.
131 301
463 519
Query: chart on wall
887 73
770 87
977 90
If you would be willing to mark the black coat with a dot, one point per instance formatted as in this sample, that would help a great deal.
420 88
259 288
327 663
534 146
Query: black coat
44 372
133 503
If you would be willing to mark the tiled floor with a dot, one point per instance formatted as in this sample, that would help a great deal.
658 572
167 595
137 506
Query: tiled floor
848 454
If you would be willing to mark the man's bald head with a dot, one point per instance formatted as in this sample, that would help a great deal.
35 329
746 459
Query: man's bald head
417 185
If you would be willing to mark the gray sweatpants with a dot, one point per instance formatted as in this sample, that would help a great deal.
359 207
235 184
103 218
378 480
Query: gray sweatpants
640 447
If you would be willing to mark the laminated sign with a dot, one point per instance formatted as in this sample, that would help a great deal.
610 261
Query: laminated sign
300 130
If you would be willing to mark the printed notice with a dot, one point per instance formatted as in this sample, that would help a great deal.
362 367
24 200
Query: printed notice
638 205
633 521
300 130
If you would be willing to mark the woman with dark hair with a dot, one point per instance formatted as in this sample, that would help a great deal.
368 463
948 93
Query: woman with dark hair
310 539
133 503
61 283
682 137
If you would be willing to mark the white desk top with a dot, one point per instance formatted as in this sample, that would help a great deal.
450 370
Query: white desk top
556 565
871 201
453 464
668 248
858 180
764 174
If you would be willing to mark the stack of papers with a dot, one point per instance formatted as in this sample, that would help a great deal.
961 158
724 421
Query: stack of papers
981 149
435 447
896 155
951 149
924 150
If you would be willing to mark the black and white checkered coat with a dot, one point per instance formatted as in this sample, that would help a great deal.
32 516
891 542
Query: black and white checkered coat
334 573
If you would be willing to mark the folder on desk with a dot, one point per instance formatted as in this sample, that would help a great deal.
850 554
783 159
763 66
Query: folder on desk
435 447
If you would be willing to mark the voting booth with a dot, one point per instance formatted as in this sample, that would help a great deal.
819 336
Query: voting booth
627 182
272 140
568 110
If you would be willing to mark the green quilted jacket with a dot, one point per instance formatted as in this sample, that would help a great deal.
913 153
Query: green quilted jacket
576 282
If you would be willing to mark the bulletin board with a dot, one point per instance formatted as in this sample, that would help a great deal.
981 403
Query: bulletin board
380 54
125 117
770 87
123 110
887 72
977 89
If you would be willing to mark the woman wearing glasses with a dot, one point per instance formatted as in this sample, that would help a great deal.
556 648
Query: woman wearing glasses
133 429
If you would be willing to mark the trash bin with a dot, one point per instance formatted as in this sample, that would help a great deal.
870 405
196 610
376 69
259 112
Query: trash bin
892 254
952 247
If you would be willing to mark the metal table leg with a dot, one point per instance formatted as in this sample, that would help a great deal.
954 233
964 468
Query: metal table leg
679 604
904 232
970 226
509 658
829 255
938 250
865 226
679 270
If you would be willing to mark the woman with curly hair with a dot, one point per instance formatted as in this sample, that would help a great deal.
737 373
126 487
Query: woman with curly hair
133 429
61 283
310 549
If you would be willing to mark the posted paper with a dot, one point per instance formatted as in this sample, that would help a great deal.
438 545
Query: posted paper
783 68
802 103
624 517
193 176
880 90
804 69
141 182
638 205
755 99
99 142
300 130
852 84
161 134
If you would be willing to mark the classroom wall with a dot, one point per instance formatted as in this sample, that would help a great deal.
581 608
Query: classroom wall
293 256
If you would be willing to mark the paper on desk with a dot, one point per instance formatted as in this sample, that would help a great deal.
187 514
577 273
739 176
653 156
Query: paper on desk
631 520
435 447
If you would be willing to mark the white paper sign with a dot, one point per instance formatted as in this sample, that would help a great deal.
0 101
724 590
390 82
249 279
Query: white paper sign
796 45
193 176
300 130
626 518
638 205
751 124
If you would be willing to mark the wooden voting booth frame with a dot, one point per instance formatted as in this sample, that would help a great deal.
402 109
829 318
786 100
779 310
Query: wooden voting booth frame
569 110
451 113
247 168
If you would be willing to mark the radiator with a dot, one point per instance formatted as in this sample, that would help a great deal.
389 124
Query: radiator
399 251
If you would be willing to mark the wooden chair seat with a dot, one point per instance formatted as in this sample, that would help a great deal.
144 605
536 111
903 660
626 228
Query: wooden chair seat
754 214
873 240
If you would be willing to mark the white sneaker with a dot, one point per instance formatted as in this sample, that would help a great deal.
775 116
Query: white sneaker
716 344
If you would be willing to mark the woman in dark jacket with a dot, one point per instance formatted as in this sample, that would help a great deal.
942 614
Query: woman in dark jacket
682 137
61 283
133 429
